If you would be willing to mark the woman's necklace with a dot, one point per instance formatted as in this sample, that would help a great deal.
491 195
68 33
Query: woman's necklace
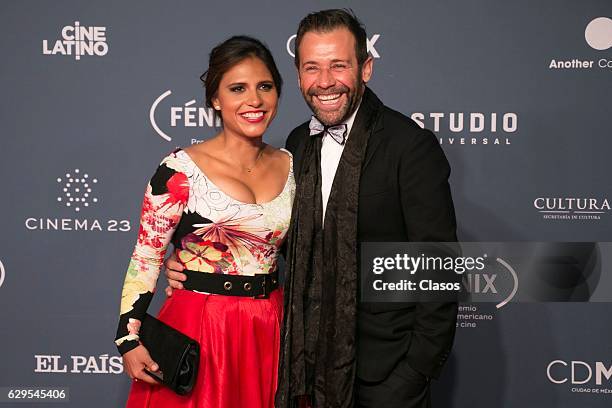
259 154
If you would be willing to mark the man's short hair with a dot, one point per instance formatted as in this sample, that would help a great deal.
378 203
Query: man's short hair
328 20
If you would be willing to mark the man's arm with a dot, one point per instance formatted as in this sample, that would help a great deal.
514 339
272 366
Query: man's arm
429 215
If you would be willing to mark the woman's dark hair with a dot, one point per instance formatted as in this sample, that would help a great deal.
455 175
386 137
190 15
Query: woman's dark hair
229 53
325 21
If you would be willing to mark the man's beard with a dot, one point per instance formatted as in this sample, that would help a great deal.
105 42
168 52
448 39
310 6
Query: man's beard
330 118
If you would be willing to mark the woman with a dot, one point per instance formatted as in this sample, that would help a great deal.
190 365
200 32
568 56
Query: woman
225 205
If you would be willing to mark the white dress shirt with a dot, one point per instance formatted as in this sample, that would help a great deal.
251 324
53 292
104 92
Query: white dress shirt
331 152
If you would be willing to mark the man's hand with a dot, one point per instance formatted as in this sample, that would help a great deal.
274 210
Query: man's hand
303 401
174 275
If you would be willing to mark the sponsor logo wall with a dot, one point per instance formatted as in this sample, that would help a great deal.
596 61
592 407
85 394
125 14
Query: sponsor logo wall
598 36
188 115
78 40
594 377
572 208
76 193
470 128
96 94
57 364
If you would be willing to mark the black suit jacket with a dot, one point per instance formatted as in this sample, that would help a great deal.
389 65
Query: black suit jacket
403 196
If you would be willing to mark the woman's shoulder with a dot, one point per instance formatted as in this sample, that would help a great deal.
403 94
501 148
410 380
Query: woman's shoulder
172 170
282 157
279 153
200 151
196 151
195 148
176 160
280 160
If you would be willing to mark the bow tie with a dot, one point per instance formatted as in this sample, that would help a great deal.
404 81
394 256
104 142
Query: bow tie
337 132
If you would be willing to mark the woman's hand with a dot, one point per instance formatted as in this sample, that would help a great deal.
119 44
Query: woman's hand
135 361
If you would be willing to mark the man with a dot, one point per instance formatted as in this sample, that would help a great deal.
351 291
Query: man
365 173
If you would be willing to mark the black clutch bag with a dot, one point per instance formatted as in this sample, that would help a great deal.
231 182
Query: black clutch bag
176 354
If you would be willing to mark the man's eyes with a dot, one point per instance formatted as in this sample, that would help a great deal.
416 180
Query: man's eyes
335 67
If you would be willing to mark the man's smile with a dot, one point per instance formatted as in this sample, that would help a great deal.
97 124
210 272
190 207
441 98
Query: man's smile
328 101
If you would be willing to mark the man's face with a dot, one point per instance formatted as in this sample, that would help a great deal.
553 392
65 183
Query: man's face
330 78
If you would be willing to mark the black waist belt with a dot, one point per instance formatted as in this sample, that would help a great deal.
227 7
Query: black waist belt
257 286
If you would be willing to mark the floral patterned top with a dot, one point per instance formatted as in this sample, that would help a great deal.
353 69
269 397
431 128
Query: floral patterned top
211 233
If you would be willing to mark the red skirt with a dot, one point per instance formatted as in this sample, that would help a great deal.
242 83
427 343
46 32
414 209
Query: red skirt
239 346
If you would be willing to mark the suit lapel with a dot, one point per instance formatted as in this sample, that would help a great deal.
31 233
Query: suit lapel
371 107
366 120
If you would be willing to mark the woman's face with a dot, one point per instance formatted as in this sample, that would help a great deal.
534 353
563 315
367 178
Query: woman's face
247 98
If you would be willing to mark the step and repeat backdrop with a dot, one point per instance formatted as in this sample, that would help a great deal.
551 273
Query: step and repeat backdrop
94 94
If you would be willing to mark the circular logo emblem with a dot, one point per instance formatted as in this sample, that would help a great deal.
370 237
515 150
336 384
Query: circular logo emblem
598 33
76 190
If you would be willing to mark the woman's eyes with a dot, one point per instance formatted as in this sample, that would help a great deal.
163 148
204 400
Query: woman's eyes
264 87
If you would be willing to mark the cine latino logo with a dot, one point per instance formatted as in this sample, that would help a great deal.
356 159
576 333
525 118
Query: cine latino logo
78 40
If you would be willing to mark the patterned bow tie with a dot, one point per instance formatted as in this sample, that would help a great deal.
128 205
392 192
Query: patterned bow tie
337 132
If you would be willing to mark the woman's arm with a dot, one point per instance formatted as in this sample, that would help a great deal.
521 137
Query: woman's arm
165 198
